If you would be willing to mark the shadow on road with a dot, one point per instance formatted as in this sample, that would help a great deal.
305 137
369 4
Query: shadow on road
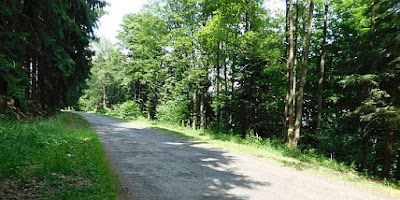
156 165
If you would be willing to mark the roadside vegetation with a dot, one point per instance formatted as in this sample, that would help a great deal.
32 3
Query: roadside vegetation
54 158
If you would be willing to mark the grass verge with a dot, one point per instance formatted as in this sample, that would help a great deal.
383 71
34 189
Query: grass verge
276 151
55 158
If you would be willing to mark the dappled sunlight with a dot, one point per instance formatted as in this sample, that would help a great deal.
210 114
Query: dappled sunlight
173 166
209 159
86 139
174 143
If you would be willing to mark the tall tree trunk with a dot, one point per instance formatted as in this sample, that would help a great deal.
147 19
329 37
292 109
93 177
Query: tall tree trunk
285 119
299 108
286 111
388 148
322 71
290 66
294 78
364 155
232 92
41 83
202 108
27 69
34 78
148 107
227 100
203 117
294 82
104 96
247 21
398 165
291 78
218 86
194 112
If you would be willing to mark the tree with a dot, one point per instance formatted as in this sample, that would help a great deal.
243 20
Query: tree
306 46
46 59
219 65
143 36
322 69
290 68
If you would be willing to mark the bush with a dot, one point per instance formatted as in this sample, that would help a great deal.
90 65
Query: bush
83 105
172 112
128 110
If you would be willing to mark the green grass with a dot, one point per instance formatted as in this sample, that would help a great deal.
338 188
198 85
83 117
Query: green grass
54 158
276 151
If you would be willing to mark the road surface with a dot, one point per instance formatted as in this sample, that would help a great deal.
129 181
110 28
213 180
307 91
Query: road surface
154 165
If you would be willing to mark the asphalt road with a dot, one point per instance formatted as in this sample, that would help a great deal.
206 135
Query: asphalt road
154 165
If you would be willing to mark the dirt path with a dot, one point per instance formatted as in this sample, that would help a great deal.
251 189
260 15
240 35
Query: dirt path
154 165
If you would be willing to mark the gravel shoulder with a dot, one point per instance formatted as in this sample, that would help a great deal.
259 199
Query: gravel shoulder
154 165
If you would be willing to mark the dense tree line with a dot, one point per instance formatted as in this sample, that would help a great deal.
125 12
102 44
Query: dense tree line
325 76
44 55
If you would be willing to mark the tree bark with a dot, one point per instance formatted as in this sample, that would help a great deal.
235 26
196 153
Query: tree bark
227 100
218 87
285 119
202 110
388 148
104 96
322 71
290 78
398 165
247 21
294 78
364 156
194 113
232 93
299 108
286 111
290 66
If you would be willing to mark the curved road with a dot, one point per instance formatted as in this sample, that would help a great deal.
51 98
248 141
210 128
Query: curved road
154 165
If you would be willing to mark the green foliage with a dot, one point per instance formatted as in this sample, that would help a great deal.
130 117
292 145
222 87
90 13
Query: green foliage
104 85
59 158
44 56
172 112
127 110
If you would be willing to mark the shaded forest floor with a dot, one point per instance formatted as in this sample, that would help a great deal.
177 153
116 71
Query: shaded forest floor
276 151
53 158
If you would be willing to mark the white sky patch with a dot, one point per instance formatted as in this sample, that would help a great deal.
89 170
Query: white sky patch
275 5
110 23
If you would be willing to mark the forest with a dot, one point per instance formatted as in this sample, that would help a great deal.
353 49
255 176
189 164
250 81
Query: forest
322 76
44 54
